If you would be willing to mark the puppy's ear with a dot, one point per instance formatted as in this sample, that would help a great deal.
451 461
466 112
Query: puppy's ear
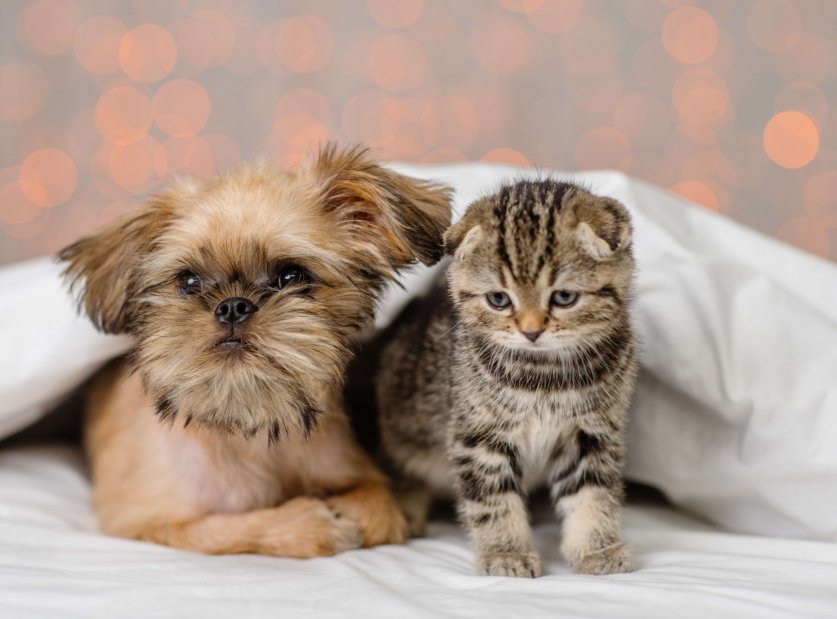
103 266
602 226
395 218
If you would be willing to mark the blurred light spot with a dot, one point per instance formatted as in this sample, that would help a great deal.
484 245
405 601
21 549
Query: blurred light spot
652 167
225 151
791 139
397 63
47 26
696 192
14 207
453 121
82 138
492 100
181 108
591 48
24 90
807 234
701 134
123 115
810 60
804 97
690 34
744 151
395 13
595 94
244 58
502 45
444 155
189 156
707 164
555 16
508 156
654 69
774 25
96 44
521 6
302 118
304 44
821 198
138 167
204 39
98 169
147 53
603 148
700 97
372 118
30 229
644 119
410 138
48 177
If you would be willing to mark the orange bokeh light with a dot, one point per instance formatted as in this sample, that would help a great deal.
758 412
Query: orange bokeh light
791 139
502 45
304 44
806 234
700 97
554 16
774 25
204 39
225 151
690 34
302 119
138 167
181 108
508 156
591 48
821 198
395 13
47 26
697 192
453 120
190 156
15 209
147 53
48 177
811 60
644 119
603 148
244 57
96 44
371 117
123 115
24 90
397 63
804 97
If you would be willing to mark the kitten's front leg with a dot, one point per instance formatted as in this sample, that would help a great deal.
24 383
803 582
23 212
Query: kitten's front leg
491 504
586 488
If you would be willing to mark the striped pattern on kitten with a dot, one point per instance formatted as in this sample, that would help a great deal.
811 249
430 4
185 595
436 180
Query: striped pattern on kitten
517 371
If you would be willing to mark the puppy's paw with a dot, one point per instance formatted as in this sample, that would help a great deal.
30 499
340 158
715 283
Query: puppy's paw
614 559
307 527
521 565
375 511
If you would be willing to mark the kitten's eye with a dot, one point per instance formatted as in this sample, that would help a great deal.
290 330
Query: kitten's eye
290 274
498 300
189 283
564 298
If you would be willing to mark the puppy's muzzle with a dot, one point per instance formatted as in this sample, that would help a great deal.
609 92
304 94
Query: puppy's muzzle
234 311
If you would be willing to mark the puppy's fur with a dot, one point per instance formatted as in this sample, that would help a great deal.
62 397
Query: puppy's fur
227 437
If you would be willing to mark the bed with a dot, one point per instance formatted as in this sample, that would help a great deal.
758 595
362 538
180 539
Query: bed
734 426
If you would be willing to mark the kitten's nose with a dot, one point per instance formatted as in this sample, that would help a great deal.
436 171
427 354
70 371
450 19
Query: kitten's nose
532 335
234 310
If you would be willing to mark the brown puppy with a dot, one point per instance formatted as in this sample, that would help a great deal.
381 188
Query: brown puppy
224 431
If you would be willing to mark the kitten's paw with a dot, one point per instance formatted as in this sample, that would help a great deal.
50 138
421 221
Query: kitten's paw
614 559
521 565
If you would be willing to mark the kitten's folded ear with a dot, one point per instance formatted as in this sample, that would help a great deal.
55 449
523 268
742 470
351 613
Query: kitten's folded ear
602 226
392 218
465 232
103 266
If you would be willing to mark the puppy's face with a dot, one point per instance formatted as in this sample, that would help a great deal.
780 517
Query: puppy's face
242 292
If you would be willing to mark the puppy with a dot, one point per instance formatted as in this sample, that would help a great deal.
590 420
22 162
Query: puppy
224 431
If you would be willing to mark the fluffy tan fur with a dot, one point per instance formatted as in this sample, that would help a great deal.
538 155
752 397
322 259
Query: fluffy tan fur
232 438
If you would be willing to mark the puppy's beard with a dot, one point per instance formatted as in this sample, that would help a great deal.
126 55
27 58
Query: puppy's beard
266 388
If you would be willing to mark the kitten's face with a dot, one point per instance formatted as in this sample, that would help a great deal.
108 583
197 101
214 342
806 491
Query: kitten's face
542 267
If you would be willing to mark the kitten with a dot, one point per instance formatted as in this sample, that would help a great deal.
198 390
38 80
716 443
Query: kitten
519 374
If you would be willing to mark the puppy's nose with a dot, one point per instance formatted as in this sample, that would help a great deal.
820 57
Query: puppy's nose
234 310
532 335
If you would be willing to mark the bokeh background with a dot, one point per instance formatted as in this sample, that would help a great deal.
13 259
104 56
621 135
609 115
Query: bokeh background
732 104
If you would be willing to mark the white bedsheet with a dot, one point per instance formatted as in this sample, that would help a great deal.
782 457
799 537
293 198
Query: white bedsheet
53 563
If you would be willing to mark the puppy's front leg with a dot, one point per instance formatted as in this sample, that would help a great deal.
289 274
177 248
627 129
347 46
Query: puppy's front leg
302 527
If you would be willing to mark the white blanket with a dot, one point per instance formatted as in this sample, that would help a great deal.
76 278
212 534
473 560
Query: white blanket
735 419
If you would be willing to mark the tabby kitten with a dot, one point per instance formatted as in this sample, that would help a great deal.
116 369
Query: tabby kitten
520 373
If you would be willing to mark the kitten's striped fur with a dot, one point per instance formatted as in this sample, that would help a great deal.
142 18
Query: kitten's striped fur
471 407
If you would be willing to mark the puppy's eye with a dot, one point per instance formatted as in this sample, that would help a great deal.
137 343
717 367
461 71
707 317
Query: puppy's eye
498 300
564 298
290 274
189 283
